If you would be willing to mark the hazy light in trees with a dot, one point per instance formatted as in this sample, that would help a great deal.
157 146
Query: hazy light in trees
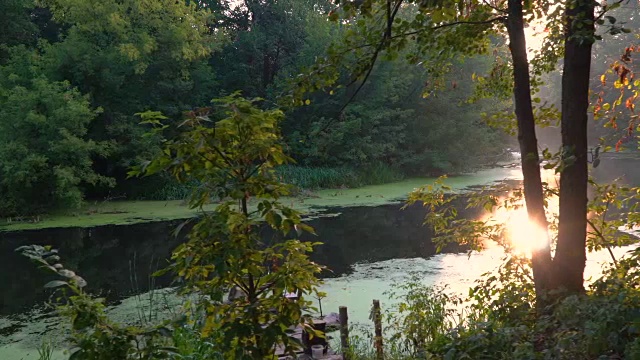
520 233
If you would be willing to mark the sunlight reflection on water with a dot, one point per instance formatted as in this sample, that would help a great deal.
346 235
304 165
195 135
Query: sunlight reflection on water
458 272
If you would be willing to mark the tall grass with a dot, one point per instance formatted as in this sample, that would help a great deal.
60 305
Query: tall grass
45 351
334 177
169 190
302 177
361 346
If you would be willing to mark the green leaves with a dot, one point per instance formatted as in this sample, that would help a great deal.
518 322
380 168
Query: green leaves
55 284
232 158
423 316
48 259
443 218
128 56
46 156
242 146
611 208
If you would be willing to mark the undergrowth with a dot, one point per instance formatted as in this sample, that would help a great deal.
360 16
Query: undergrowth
498 321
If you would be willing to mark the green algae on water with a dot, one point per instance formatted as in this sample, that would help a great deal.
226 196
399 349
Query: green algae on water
133 212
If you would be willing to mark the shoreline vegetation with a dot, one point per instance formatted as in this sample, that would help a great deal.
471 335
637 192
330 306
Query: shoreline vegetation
126 212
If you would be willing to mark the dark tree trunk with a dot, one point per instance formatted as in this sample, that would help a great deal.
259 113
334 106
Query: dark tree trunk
570 257
541 258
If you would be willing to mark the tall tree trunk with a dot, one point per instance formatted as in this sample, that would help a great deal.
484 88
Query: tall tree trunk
570 257
541 258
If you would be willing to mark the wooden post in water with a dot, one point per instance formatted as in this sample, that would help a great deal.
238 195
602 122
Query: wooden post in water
344 332
377 322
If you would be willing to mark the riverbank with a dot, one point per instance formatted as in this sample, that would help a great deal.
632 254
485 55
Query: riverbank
393 250
134 212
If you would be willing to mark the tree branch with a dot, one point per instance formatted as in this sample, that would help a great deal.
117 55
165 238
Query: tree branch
599 234
386 38
606 9
483 22
374 57
504 11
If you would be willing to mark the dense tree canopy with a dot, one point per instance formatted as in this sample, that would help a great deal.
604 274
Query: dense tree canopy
414 118
119 58
131 56
45 156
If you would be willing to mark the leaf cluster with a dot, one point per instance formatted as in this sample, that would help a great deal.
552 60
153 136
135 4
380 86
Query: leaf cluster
233 159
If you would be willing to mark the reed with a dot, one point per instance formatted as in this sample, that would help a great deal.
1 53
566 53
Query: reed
311 178
301 177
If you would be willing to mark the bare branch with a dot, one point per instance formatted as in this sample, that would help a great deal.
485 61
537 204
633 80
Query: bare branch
483 22
606 9
504 11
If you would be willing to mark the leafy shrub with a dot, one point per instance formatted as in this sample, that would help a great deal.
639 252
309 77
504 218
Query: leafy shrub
497 320
233 160
189 345
422 316
93 335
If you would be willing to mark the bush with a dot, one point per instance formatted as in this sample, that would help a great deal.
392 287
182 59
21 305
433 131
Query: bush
497 322
233 160
223 251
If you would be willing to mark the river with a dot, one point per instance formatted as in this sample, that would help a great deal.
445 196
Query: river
369 247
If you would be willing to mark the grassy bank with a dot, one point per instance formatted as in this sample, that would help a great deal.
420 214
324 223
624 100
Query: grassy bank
130 212
301 177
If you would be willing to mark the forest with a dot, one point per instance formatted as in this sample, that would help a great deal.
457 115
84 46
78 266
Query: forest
78 81
242 110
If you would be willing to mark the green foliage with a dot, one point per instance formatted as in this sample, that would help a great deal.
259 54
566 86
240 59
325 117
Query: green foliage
360 347
130 56
506 295
45 153
93 335
272 40
190 346
450 228
45 352
421 317
170 190
497 320
612 207
15 25
233 159
500 319
317 178
393 122
122 57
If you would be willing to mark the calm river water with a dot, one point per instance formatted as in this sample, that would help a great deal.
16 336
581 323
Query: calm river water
368 249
